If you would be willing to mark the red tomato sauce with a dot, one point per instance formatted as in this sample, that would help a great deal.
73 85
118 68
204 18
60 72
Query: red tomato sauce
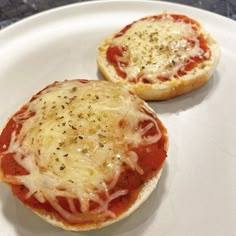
114 51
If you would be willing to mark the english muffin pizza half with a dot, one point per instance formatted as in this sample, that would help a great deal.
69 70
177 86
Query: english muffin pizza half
159 57
83 154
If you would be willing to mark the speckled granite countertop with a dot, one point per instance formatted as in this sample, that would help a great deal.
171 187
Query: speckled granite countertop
14 10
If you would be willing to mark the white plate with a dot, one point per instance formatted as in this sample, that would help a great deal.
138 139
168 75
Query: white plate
196 194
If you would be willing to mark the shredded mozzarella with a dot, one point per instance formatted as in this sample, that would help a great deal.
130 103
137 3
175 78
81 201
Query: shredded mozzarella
157 48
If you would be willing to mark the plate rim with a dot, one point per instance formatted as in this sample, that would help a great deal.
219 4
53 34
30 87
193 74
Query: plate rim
70 6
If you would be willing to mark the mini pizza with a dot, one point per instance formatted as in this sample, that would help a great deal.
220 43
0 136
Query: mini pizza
83 154
159 57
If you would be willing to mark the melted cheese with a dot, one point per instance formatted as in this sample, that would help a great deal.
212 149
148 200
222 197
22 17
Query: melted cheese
75 144
157 48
